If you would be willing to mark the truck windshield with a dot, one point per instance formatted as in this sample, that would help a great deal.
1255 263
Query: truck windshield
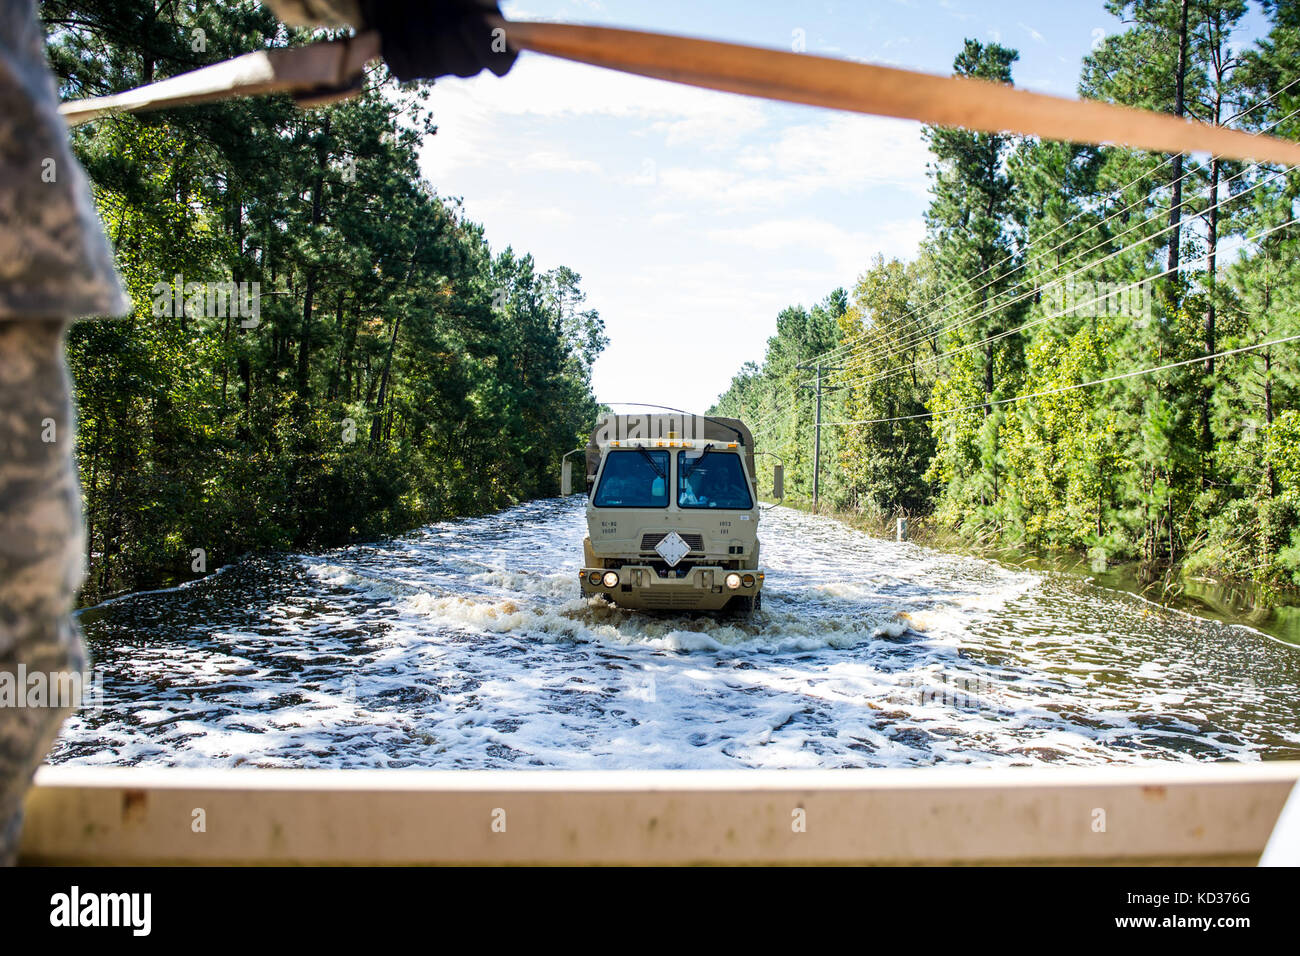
716 480
633 479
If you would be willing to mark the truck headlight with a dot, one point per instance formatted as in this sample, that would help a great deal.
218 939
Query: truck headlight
733 581
594 577
611 579
748 580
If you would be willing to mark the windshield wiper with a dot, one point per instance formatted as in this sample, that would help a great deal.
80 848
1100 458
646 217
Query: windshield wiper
653 464
707 448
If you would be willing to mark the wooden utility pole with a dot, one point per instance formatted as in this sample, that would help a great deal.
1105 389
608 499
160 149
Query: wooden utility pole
1176 173
817 429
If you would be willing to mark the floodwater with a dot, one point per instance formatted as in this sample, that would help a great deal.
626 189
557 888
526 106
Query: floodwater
467 644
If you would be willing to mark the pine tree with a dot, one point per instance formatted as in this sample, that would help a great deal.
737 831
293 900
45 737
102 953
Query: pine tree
969 245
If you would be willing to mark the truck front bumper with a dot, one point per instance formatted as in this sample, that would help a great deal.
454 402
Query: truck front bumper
642 588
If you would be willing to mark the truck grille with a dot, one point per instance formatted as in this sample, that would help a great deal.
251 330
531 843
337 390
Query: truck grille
694 541
685 600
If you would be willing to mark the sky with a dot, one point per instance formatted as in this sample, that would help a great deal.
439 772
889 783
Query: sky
695 217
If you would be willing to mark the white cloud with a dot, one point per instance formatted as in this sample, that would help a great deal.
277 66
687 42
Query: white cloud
685 327
713 129
851 150
953 11
483 116
488 209
556 161
835 154
850 250
746 152
693 216
548 86
1038 37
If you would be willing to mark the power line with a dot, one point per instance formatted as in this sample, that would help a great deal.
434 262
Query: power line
1114 193
1070 388
869 378
771 417
967 319
817 435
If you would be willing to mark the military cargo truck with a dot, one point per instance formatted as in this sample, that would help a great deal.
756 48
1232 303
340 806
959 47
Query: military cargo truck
672 513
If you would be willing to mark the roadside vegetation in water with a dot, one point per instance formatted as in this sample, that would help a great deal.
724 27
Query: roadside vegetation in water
1189 585
1091 349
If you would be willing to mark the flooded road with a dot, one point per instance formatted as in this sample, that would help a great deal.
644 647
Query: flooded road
467 645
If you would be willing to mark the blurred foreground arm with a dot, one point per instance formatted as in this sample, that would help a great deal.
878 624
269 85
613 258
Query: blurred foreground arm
55 264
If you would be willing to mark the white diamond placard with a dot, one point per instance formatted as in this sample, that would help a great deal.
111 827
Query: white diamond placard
672 548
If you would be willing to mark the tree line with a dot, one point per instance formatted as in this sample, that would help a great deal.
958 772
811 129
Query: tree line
1078 356
323 348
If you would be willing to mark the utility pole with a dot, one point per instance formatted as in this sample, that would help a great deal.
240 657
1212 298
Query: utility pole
817 429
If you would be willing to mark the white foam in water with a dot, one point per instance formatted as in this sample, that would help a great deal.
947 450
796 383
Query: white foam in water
468 644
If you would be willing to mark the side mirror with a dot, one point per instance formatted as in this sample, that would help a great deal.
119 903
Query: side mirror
566 478
778 481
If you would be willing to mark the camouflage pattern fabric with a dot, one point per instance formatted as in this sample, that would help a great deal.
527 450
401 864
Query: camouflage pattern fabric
54 264
54 259
41 547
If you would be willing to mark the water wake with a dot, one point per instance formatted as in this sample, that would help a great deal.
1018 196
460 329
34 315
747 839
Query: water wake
467 644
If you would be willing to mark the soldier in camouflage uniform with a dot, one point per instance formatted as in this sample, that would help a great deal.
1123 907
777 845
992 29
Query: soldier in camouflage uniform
55 265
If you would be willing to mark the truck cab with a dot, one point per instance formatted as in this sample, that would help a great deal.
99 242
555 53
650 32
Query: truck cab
672 514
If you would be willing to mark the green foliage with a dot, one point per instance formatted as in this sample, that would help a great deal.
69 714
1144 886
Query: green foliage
990 381
778 401
888 375
398 371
